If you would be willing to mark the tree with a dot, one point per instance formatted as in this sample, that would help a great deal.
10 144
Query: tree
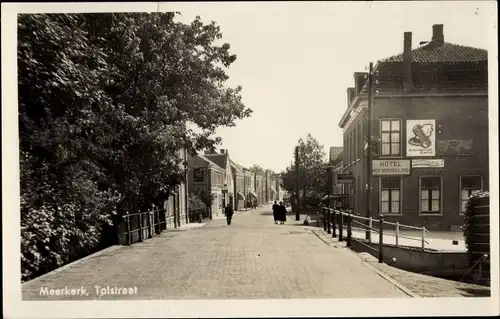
256 169
312 169
104 99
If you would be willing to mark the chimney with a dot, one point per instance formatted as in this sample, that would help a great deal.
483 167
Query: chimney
222 151
437 34
407 63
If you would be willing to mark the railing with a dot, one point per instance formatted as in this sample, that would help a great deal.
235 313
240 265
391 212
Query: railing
334 220
478 262
145 224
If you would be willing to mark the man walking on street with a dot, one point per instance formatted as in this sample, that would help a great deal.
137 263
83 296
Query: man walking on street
229 213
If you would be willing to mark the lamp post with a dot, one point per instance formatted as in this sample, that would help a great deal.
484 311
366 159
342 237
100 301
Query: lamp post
369 148
297 199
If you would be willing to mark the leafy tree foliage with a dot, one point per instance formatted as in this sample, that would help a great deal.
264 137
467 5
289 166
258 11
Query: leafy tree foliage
256 169
104 99
312 169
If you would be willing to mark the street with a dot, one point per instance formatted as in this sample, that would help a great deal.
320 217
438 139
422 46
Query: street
252 258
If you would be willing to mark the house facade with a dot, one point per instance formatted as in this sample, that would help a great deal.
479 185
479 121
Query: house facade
176 207
429 132
249 187
239 187
204 174
260 187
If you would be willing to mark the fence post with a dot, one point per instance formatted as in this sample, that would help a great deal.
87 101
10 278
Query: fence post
152 216
397 234
324 218
341 225
140 226
349 230
423 238
128 229
329 222
370 225
334 232
381 239
157 225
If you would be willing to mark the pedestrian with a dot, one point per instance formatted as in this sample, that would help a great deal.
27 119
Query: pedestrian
276 209
282 213
229 213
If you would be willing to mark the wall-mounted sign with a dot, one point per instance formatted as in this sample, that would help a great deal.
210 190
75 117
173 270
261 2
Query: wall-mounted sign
345 179
391 167
421 163
455 147
421 138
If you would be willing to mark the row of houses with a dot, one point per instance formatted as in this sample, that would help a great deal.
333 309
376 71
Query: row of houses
429 131
217 174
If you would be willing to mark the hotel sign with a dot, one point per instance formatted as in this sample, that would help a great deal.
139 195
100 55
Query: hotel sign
391 167
421 163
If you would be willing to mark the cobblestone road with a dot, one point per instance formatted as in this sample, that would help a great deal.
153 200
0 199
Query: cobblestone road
252 258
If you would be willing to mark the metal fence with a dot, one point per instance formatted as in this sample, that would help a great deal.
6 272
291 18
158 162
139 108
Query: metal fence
136 227
334 219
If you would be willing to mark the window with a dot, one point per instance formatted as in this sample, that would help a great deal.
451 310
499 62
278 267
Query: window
391 137
430 195
390 195
469 185
198 175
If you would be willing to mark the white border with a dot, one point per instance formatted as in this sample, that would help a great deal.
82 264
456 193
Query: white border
15 308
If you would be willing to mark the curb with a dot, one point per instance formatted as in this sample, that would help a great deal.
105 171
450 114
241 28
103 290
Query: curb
394 282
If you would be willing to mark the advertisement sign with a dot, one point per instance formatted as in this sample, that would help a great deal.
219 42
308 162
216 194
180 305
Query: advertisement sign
421 163
391 167
421 138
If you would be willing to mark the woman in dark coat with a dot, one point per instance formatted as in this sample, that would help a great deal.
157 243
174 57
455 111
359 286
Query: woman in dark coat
276 209
282 213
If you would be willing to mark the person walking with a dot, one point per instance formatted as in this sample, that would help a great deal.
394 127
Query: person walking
229 213
282 213
276 209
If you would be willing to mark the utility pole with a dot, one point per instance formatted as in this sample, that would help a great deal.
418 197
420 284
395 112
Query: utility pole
369 148
297 199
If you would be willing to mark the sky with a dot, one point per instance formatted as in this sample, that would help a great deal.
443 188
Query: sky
295 61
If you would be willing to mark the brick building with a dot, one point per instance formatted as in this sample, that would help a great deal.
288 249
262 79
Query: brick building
205 174
239 187
430 133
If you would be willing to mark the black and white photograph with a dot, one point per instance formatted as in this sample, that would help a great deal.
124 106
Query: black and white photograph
250 159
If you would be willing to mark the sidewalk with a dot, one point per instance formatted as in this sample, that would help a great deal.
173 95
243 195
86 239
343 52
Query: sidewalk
417 284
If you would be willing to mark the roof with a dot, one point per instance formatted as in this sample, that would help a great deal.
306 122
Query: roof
432 52
238 167
219 159
203 157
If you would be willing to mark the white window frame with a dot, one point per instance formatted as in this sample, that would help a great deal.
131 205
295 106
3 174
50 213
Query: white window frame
460 200
400 120
441 210
400 196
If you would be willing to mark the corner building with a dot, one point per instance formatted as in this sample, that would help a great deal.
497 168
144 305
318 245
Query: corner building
429 132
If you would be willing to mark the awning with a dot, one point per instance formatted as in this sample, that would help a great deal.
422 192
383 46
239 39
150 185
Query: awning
252 194
241 196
